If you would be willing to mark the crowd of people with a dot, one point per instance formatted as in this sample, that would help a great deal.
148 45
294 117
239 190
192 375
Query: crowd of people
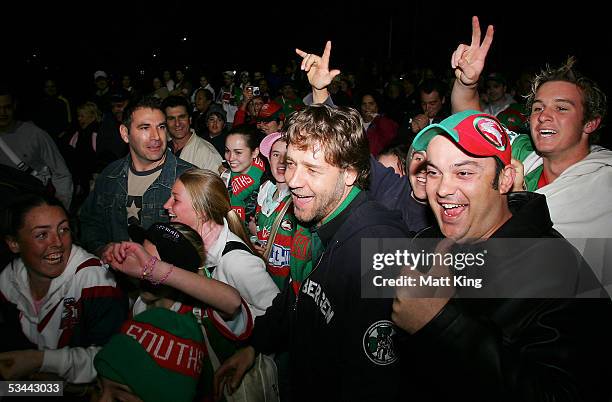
192 244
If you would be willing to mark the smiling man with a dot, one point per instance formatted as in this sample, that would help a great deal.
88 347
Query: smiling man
185 143
465 208
560 157
522 344
132 190
567 110
341 346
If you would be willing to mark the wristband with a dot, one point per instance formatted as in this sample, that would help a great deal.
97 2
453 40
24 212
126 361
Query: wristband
163 278
148 268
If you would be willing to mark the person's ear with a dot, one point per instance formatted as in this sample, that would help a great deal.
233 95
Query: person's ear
123 130
592 125
350 176
255 152
506 179
12 244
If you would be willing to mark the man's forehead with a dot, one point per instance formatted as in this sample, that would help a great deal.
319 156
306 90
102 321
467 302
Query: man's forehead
313 154
433 95
176 110
6 100
553 90
148 114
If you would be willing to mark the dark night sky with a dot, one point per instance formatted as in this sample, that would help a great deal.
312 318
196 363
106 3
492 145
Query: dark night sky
73 40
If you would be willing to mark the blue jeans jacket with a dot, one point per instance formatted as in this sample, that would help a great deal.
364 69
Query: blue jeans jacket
103 216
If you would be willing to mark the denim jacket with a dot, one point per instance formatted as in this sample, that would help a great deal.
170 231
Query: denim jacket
103 216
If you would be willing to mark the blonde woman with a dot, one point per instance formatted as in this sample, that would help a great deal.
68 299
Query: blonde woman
200 199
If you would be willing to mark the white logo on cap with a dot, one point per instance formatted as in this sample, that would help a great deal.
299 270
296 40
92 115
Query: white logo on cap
491 131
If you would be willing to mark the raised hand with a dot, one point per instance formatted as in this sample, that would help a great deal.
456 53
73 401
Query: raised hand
419 122
519 179
468 61
247 95
415 306
317 67
127 257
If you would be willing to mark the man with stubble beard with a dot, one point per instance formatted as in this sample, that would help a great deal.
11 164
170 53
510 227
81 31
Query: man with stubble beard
133 189
341 346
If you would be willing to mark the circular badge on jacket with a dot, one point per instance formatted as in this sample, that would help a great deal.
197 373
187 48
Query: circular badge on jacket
378 343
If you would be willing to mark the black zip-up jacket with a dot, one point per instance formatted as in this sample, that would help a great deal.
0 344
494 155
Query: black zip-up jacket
329 329
516 349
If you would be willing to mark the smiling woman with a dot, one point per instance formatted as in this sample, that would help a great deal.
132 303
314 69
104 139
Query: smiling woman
200 199
66 301
275 221
242 154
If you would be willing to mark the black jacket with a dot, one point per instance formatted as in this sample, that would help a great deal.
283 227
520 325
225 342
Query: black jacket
394 192
81 159
516 349
329 329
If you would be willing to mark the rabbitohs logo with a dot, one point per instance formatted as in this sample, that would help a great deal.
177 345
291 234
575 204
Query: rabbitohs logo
70 313
287 225
491 131
378 343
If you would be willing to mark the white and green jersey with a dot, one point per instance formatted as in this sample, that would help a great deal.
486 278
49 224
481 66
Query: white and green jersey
524 151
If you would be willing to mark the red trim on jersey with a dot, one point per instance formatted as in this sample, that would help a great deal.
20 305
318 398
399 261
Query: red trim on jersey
222 327
184 309
65 337
41 325
92 262
543 181
283 240
279 271
96 292
296 286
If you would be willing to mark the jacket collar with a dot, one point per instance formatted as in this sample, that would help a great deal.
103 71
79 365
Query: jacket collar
328 230
21 282
530 216
165 179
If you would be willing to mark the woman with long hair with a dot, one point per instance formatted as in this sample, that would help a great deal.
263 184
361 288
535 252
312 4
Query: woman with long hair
199 199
